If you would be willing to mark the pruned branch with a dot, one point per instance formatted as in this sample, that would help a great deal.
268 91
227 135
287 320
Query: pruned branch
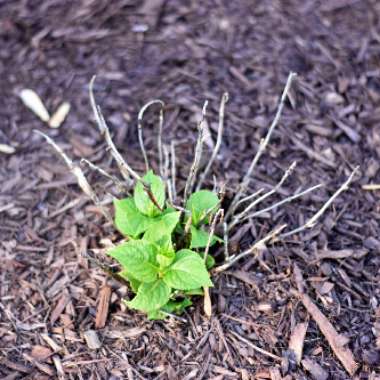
79 175
254 249
313 220
125 169
263 144
140 132
238 218
197 156
218 140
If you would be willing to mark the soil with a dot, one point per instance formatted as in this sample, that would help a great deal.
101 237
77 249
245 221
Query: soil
184 52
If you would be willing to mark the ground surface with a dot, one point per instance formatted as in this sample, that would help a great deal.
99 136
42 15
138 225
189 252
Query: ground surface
192 51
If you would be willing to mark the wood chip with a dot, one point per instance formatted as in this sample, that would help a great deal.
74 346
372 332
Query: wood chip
341 253
59 115
103 305
344 354
63 301
207 306
7 149
92 339
275 373
40 353
297 340
371 186
34 103
316 371
128 333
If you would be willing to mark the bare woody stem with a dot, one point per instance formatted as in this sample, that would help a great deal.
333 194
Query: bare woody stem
79 175
238 218
313 220
218 216
160 126
125 169
255 248
197 156
263 144
119 185
218 140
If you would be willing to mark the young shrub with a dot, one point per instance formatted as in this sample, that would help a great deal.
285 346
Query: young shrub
162 258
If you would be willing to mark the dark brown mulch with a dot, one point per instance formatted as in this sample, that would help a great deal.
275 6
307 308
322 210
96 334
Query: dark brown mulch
184 52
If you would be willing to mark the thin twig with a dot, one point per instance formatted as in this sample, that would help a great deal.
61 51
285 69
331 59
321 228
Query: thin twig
248 197
218 140
78 173
283 201
256 348
119 185
238 218
140 131
313 220
225 242
263 144
218 216
125 169
173 170
197 156
255 248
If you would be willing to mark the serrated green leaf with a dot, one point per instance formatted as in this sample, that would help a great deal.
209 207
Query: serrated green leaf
137 257
200 203
163 225
151 296
142 200
134 283
128 219
199 238
187 272
165 258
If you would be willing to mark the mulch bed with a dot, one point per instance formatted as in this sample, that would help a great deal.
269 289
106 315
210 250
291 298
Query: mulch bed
184 52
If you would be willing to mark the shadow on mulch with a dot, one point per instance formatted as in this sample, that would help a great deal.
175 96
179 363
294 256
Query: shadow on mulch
184 52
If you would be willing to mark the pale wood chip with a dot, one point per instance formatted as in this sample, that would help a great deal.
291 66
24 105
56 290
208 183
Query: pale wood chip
55 347
275 373
207 306
34 103
103 305
59 115
316 371
297 340
40 352
92 339
7 149
341 254
63 301
58 366
128 333
344 354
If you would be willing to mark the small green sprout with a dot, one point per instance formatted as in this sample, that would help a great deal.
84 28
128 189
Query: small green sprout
162 259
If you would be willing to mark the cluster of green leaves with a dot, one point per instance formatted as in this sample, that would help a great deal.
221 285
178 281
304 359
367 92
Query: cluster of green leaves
163 264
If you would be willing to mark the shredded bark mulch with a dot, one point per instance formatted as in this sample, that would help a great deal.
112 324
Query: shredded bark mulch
61 316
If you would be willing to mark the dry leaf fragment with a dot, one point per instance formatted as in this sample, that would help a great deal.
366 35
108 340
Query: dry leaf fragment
59 115
7 149
40 352
316 371
34 103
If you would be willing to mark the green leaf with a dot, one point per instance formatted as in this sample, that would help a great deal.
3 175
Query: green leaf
162 226
151 296
143 200
137 257
132 281
128 219
199 238
187 272
165 258
195 292
200 204
177 307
